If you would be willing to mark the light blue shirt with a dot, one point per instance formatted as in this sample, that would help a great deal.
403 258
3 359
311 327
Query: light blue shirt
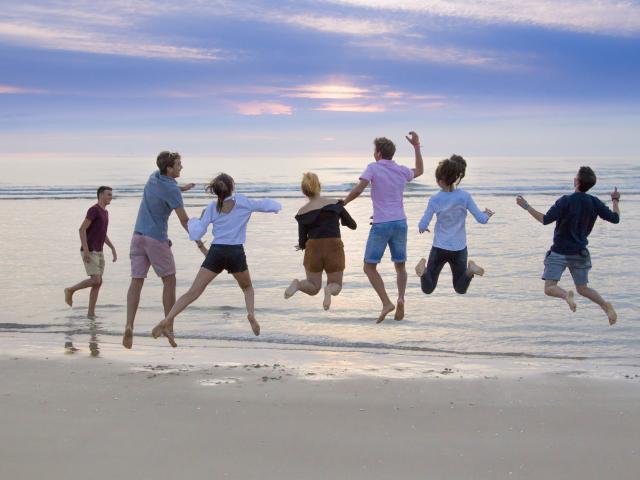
161 196
450 209
230 228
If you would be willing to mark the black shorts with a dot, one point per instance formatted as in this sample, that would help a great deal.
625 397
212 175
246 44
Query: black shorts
226 257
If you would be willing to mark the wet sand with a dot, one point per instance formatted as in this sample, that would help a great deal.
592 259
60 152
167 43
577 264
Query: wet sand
76 416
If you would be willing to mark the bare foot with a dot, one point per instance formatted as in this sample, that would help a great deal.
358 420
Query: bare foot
474 269
291 289
611 313
421 266
163 328
326 303
68 297
386 310
399 310
570 301
254 324
91 316
127 338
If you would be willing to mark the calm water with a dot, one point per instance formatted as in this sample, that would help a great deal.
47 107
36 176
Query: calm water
42 203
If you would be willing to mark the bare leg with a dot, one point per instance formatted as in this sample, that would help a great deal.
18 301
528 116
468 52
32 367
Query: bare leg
168 293
552 289
401 279
133 300
93 295
595 297
474 269
420 267
312 284
69 291
165 327
378 285
333 288
244 282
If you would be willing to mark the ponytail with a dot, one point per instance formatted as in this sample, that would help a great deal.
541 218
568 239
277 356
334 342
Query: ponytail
222 186
461 165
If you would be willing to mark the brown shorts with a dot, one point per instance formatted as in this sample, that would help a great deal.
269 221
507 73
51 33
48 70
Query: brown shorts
324 254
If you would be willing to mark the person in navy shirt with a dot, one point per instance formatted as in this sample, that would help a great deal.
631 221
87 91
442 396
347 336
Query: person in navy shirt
575 216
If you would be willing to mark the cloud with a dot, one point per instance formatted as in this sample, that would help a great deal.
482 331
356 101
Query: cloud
611 17
351 107
263 108
11 90
95 42
332 24
326 91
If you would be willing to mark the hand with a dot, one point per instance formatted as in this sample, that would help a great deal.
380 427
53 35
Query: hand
522 202
414 139
297 247
187 187
115 255
86 256
615 195
422 230
488 212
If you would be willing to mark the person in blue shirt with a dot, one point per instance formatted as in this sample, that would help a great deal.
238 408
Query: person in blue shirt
229 216
450 205
574 216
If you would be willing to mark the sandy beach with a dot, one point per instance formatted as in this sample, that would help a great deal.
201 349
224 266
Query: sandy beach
64 416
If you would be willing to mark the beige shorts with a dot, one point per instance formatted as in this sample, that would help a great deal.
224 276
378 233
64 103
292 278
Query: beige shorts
95 265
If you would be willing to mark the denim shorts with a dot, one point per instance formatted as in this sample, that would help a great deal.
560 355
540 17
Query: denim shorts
382 234
579 266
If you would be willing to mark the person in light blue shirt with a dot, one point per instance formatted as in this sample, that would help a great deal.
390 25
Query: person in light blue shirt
229 216
450 206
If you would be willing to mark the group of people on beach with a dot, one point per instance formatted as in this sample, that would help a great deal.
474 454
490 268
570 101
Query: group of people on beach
319 221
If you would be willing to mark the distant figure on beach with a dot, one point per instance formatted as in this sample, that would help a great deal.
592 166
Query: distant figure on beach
229 216
319 236
388 180
150 245
450 206
93 237
575 216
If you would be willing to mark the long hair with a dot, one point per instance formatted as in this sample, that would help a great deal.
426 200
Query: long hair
222 186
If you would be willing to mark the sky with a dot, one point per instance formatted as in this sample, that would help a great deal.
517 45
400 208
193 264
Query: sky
319 77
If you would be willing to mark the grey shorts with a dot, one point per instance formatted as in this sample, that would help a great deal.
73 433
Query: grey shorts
579 266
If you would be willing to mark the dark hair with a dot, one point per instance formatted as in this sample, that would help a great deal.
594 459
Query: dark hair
451 170
586 179
166 159
386 147
221 186
102 189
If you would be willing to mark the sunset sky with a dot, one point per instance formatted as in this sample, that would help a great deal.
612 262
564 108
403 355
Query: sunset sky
487 77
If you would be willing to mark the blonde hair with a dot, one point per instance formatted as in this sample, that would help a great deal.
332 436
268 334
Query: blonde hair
310 184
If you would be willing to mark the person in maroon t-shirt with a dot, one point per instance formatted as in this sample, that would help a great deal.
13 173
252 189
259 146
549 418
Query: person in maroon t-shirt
93 236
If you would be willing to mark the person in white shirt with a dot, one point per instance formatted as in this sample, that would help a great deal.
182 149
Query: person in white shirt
450 206
229 216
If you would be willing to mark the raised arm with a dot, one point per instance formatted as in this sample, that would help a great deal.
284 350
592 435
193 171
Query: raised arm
532 211
415 141
605 212
266 205
356 191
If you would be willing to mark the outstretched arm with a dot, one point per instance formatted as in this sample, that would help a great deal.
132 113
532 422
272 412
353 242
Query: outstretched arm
186 187
532 211
266 205
356 191
415 141
480 216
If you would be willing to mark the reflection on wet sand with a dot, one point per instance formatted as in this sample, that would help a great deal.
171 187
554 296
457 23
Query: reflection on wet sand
75 328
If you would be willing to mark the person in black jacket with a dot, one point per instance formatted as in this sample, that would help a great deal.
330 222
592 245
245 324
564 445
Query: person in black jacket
319 236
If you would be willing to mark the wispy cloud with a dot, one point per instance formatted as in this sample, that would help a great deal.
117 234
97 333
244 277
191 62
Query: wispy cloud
13 90
351 107
611 17
263 108
334 24
326 91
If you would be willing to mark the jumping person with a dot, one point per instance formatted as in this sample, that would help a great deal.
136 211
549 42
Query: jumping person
319 236
388 180
150 245
575 216
450 205
93 237
229 216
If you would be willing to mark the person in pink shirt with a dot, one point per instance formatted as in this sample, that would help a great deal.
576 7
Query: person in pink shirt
388 180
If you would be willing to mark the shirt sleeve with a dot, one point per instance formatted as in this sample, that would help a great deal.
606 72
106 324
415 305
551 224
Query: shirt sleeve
408 173
198 226
428 215
174 198
479 215
347 220
368 173
605 212
554 212
92 213
303 235
264 205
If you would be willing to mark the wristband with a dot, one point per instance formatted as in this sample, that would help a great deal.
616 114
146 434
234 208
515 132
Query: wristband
526 206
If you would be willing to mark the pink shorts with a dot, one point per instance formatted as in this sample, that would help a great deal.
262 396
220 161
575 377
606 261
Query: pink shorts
148 252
